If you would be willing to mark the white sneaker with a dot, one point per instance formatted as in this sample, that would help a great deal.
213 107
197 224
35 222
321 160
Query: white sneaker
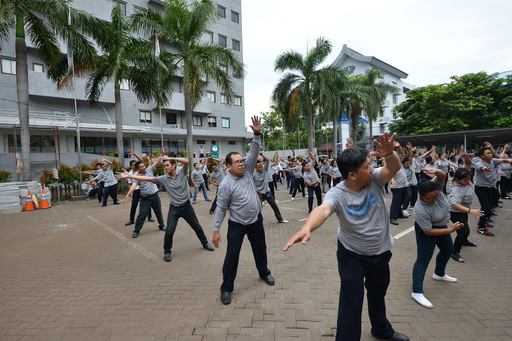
284 221
405 213
262 204
420 298
445 278
293 198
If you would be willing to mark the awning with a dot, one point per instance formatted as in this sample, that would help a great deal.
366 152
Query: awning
498 136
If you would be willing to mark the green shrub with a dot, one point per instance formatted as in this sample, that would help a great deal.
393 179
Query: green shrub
5 176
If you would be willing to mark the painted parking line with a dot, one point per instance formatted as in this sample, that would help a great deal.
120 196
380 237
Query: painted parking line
403 233
136 246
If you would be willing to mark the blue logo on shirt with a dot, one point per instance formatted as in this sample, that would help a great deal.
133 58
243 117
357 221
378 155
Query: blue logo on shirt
364 207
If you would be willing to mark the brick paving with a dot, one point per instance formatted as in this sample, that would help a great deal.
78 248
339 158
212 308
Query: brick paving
73 272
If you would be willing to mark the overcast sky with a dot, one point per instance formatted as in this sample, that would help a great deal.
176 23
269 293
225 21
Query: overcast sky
429 40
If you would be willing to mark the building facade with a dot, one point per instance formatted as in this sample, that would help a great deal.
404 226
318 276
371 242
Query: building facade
53 124
356 64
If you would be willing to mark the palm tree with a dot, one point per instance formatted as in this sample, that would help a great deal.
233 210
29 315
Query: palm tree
43 22
296 92
181 26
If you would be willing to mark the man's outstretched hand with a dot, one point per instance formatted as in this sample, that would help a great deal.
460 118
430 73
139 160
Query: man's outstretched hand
256 124
385 144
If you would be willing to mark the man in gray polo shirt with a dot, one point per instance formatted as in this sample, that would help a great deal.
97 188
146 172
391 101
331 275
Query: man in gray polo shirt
313 183
237 193
364 239
107 176
198 182
176 186
216 177
325 170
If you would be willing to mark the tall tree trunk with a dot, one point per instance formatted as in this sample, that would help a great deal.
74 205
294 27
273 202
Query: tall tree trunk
354 126
23 95
188 121
119 126
310 127
334 136
371 130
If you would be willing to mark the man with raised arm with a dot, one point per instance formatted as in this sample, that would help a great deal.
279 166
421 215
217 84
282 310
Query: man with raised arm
237 193
176 186
107 176
136 192
364 239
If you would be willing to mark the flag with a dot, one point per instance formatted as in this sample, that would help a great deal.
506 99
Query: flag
157 45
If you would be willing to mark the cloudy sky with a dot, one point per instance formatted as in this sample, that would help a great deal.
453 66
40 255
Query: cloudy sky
429 40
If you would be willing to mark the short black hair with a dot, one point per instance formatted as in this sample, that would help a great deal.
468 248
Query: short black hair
461 174
351 159
405 159
132 162
229 157
172 162
137 164
481 151
428 159
195 163
305 163
426 186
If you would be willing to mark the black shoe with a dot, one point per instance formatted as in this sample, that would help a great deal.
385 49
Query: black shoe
207 200
456 256
212 212
269 280
225 297
208 246
104 205
151 220
468 243
116 203
135 234
393 222
161 228
489 220
493 215
167 256
129 223
500 202
395 337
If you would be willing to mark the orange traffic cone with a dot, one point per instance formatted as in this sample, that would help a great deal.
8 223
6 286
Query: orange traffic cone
43 203
29 205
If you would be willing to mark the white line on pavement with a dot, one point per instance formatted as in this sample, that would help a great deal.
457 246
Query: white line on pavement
403 233
136 246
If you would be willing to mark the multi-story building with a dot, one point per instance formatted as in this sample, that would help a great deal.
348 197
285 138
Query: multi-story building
53 122
356 63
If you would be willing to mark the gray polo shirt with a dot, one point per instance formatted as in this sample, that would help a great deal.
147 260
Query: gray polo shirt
416 164
326 168
484 179
507 169
217 175
177 187
310 177
269 174
336 172
197 175
297 172
147 187
401 179
411 177
260 180
130 181
435 214
363 217
108 177
238 193
462 195
443 165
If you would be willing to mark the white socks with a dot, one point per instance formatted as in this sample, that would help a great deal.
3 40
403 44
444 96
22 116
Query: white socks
420 298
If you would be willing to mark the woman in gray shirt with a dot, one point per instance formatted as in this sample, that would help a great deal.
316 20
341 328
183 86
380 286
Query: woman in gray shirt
432 213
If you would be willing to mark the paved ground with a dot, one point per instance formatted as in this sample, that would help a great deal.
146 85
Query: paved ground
73 272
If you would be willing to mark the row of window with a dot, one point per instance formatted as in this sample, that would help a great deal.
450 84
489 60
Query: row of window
201 142
237 100
235 16
9 66
197 121
223 41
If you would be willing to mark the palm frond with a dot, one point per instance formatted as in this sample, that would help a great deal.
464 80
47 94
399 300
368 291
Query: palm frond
317 55
289 60
201 15
43 37
97 80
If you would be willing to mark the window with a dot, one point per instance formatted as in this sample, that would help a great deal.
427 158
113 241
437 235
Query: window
138 9
221 11
226 122
9 66
223 99
38 143
394 115
214 142
122 6
211 96
232 142
201 141
145 116
394 99
235 17
209 36
237 75
237 101
212 122
37 67
198 121
171 118
125 85
223 40
235 45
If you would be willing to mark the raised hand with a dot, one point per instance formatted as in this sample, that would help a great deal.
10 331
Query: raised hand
301 236
256 124
488 144
409 145
396 144
131 151
350 143
123 175
385 144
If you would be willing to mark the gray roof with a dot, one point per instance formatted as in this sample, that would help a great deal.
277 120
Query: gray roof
346 51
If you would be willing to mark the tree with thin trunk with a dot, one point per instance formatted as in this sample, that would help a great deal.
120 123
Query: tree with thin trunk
43 22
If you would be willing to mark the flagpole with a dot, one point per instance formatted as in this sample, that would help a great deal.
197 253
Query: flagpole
157 54
76 108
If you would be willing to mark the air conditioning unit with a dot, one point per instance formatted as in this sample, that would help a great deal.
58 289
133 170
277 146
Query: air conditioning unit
384 120
174 126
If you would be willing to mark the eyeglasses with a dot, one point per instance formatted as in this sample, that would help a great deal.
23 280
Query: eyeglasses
237 162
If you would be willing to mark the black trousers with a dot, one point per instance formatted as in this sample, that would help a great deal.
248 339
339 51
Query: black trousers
288 179
495 195
270 199
100 191
186 212
299 184
484 195
463 232
93 192
504 183
148 202
399 196
214 203
356 273
271 188
236 233
205 178
318 192
326 179
291 182
135 203
110 190
445 182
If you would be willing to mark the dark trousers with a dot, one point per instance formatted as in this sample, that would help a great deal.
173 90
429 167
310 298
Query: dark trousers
417 176
495 195
110 190
100 191
425 249
484 195
288 179
299 184
463 232
504 183
93 192
414 195
314 190
276 178
270 199
236 233
326 179
358 272
399 195
186 212
271 188
205 178
291 183
214 203
148 202
386 187
135 202
335 181
445 182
